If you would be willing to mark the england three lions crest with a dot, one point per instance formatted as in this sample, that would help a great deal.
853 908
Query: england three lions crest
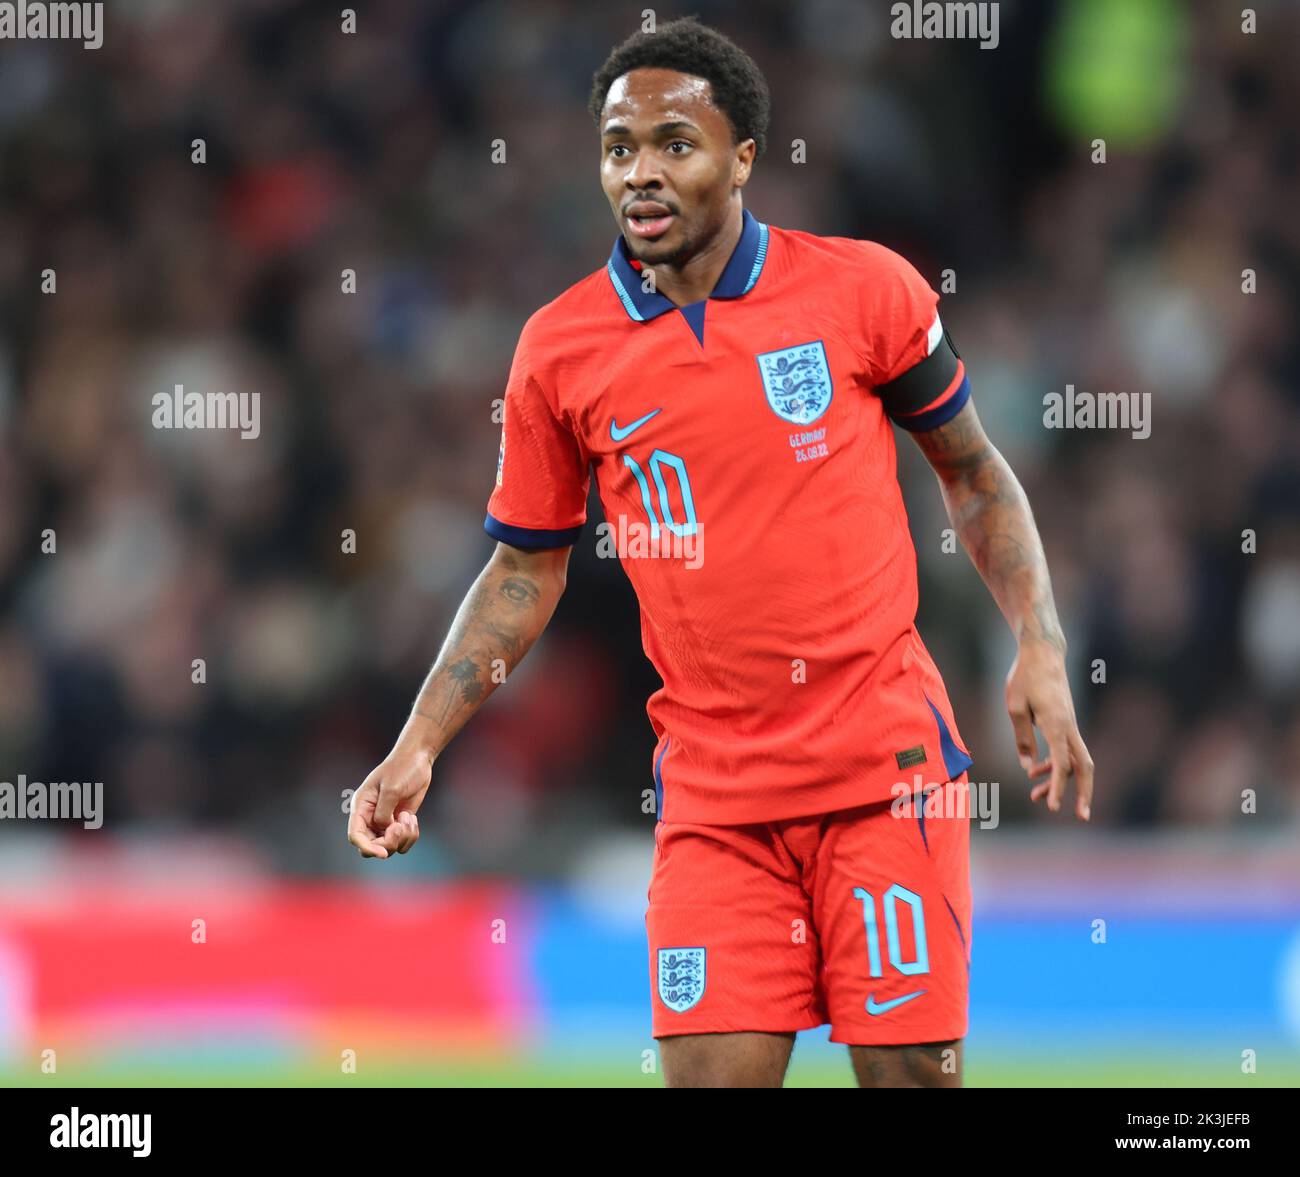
681 977
797 381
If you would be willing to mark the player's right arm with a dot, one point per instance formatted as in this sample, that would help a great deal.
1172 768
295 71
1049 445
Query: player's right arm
535 514
500 618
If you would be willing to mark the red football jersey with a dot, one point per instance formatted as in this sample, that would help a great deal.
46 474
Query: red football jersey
745 460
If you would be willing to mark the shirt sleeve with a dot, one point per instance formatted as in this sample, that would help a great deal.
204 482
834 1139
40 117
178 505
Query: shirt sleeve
540 498
915 367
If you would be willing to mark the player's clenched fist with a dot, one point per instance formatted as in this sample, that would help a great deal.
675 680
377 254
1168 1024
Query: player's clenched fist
382 819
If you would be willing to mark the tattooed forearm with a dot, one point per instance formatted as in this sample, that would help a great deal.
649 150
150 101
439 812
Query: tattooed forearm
521 592
992 518
497 623
509 640
464 686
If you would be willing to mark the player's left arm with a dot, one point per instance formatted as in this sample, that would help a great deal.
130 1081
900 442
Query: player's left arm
991 515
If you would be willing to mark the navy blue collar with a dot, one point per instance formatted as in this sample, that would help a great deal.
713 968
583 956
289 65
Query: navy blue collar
737 278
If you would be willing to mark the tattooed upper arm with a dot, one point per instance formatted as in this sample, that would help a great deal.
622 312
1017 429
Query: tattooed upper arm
957 447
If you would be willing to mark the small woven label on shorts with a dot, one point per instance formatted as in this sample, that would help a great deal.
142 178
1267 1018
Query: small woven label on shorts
911 757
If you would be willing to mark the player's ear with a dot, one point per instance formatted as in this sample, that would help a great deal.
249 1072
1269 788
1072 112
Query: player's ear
744 163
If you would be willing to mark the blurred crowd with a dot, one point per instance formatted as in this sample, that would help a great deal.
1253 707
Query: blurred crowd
182 613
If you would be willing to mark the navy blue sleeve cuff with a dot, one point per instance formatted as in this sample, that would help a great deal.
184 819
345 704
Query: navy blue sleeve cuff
530 537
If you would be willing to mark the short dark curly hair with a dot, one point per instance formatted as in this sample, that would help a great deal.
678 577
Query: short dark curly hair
739 88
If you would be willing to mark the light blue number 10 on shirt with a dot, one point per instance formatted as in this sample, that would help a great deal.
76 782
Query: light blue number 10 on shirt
658 460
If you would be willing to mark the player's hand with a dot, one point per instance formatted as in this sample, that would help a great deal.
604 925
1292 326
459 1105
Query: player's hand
1038 696
382 820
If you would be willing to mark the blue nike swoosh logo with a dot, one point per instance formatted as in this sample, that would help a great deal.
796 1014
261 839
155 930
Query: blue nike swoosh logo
885 1006
618 434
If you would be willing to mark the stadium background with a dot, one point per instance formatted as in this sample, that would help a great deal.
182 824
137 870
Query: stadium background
223 800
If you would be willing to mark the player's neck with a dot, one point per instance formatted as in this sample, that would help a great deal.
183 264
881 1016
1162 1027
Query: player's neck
696 279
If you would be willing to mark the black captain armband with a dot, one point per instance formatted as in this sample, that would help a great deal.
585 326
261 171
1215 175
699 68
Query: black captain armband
929 393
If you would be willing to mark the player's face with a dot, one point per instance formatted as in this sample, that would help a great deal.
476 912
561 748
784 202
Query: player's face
668 163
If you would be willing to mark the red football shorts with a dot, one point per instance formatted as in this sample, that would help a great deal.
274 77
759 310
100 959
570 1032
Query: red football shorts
860 917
